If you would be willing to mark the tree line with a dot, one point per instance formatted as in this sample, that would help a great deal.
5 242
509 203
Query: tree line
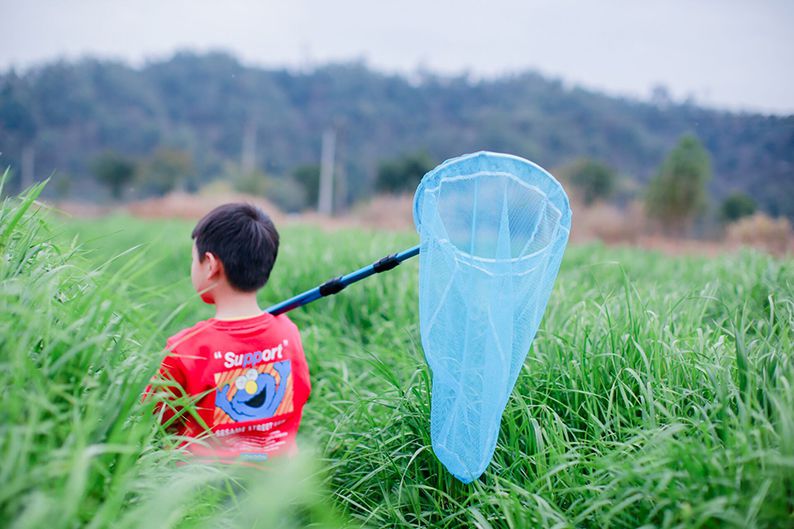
676 196
191 119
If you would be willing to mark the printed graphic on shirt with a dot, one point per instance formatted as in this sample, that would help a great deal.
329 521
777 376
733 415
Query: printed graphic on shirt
249 394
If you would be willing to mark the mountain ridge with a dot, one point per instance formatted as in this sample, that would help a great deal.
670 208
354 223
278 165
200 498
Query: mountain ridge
70 111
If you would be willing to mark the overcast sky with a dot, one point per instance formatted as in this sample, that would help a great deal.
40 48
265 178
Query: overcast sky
726 53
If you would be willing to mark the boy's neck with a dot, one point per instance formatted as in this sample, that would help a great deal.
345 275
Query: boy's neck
234 305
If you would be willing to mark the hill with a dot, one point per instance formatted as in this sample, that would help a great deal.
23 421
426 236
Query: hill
65 113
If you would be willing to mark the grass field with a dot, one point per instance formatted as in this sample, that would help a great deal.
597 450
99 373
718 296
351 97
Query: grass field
659 391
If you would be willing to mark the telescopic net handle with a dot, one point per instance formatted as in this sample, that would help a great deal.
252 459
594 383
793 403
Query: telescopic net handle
337 284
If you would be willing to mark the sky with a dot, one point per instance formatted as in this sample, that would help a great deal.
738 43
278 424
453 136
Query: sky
737 55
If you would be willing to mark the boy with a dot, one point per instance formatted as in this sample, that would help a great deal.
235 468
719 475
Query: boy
244 368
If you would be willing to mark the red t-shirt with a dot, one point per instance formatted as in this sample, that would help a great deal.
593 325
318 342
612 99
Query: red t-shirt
254 379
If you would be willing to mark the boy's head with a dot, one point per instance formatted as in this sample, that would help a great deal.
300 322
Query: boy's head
236 242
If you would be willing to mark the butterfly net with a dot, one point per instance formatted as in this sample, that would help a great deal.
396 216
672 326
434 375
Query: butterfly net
493 229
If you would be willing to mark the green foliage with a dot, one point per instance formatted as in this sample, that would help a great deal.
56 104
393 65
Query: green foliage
78 446
202 104
593 180
659 392
114 171
678 192
736 206
403 174
164 170
16 119
308 176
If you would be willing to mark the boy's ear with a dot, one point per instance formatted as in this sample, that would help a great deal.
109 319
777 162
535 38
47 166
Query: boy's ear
215 265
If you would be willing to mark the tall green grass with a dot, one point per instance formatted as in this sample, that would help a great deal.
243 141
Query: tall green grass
78 447
658 392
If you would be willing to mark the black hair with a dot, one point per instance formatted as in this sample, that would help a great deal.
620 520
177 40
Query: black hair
244 239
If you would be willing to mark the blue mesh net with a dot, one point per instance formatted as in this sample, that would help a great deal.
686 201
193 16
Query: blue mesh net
493 229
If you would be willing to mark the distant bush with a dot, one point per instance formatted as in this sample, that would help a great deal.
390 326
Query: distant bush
762 231
403 174
736 206
216 187
308 176
115 171
592 179
609 223
253 182
165 170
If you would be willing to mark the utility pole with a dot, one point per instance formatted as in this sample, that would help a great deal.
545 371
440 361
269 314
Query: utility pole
340 176
326 195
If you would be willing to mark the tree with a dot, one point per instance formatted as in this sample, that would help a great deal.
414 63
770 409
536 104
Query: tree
678 192
736 206
166 169
594 180
404 173
308 176
17 125
114 171
70 111
16 119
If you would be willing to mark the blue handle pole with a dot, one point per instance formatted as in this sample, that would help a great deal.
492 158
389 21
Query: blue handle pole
332 286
